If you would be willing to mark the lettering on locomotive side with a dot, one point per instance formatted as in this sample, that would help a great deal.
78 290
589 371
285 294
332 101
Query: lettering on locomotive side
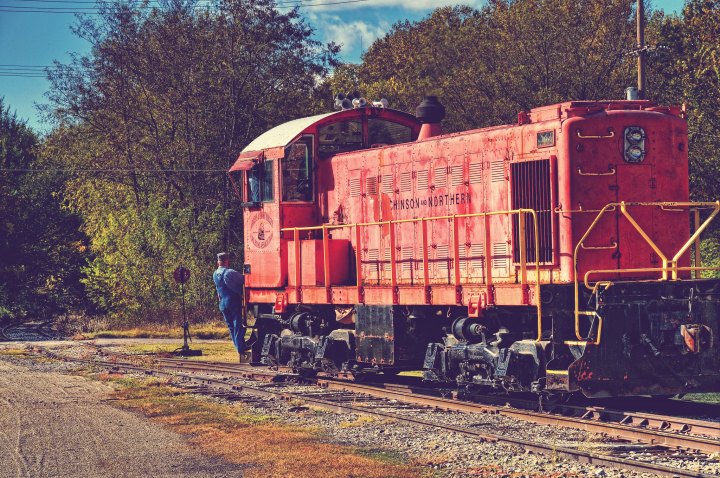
433 200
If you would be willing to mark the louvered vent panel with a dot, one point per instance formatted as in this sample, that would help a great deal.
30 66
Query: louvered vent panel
475 173
531 189
354 187
387 184
371 186
407 261
477 252
440 180
372 256
422 180
456 176
386 262
501 255
497 171
442 258
463 257
405 182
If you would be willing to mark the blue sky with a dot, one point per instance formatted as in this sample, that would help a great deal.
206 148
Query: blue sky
37 39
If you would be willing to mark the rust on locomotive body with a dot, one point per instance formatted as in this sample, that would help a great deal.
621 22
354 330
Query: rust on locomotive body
558 254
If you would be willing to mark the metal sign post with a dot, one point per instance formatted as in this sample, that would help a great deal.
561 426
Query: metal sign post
181 276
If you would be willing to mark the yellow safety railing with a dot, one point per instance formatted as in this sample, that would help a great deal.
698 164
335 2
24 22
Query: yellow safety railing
669 266
455 218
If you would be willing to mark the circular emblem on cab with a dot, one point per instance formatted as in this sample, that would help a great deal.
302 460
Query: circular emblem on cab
261 230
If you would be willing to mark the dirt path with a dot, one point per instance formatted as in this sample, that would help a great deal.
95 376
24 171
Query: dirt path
55 425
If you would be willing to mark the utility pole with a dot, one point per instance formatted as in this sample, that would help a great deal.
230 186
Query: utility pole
641 49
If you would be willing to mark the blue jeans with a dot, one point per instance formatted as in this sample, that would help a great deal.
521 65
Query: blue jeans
233 319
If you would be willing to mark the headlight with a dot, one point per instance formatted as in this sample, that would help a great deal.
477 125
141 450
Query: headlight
634 135
634 154
634 144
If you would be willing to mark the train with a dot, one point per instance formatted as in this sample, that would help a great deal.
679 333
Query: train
557 255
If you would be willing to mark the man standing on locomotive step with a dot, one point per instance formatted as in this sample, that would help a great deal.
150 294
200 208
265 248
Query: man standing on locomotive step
229 285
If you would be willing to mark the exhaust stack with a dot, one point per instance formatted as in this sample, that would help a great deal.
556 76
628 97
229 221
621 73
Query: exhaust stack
430 113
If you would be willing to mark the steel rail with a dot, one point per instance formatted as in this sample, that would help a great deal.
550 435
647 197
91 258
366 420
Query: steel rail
537 447
662 430
29 327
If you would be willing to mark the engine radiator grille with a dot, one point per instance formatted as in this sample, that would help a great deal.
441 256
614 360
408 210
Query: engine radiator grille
532 189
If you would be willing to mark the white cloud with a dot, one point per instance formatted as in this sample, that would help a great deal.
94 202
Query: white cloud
351 34
357 24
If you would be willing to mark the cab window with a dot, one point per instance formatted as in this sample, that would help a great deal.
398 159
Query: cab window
260 182
339 137
382 132
297 168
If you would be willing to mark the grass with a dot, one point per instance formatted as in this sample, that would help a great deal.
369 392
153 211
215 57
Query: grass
266 446
213 352
703 397
212 330
411 373
14 352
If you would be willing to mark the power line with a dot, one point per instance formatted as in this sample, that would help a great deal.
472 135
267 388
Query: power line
156 2
114 170
8 8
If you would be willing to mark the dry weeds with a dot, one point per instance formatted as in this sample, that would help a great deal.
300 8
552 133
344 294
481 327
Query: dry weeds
269 448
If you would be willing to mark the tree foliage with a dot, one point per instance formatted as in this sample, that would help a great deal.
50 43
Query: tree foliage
156 114
509 56
41 248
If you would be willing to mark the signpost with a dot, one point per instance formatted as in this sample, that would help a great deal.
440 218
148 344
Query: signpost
181 276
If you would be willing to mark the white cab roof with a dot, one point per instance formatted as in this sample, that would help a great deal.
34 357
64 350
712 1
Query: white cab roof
281 135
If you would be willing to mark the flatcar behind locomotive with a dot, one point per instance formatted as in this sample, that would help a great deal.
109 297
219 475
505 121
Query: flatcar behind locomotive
555 255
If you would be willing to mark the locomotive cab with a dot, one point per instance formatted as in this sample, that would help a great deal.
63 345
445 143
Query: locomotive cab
277 177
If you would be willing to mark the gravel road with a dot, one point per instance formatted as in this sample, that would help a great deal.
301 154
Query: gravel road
56 425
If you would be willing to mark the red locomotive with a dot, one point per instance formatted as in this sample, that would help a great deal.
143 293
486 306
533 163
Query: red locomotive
555 255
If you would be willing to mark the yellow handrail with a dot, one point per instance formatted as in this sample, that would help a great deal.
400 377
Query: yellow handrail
668 267
644 235
424 220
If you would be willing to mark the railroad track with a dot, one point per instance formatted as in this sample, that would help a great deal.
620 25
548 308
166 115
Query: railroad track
212 378
27 331
366 399
653 429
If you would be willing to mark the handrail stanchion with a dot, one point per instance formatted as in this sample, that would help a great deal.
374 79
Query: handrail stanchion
488 261
296 243
326 261
358 264
456 259
698 259
523 252
393 258
426 265
536 229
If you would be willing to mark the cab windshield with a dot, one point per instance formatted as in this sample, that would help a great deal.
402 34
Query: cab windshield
297 166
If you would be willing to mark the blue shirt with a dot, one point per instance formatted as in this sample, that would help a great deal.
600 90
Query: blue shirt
228 283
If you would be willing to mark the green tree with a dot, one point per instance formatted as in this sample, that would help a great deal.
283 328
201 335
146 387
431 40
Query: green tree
153 118
487 65
41 248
